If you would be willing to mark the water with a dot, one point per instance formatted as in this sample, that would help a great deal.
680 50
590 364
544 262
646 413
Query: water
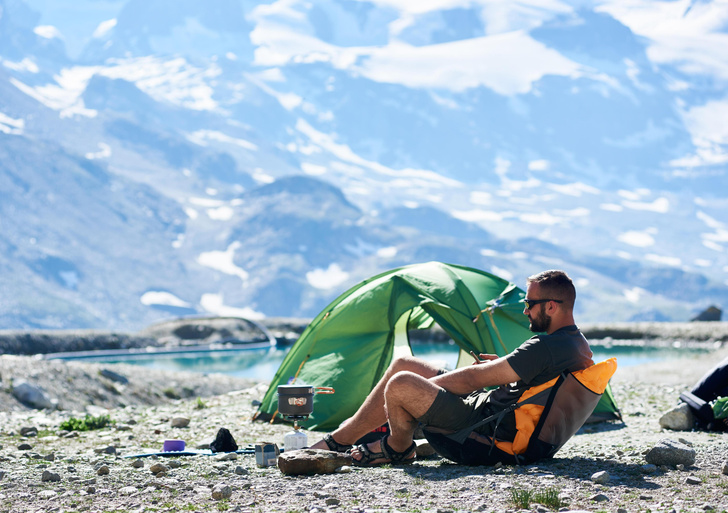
262 364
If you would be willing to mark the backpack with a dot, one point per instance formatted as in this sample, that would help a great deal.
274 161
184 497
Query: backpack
546 415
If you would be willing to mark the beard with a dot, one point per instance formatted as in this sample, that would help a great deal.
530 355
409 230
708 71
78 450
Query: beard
540 323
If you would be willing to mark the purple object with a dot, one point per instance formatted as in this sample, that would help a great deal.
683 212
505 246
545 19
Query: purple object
173 445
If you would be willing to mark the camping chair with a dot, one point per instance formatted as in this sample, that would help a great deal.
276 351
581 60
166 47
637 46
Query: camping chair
547 416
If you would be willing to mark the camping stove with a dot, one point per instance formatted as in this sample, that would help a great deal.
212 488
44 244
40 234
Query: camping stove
295 403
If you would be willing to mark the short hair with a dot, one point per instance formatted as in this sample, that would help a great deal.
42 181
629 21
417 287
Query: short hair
555 284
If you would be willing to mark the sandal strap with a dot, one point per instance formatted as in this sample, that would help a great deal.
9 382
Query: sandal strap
395 456
334 445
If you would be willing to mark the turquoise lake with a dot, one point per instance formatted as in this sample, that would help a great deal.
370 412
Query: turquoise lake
262 364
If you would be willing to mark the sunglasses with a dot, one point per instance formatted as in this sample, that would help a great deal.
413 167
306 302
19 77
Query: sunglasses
530 303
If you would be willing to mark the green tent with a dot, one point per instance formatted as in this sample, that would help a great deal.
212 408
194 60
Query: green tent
350 344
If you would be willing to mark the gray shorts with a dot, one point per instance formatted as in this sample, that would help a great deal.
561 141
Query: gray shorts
453 412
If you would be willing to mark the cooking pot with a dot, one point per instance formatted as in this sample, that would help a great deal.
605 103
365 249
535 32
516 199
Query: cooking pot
297 400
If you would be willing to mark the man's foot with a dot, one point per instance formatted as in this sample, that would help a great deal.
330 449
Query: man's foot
380 453
329 444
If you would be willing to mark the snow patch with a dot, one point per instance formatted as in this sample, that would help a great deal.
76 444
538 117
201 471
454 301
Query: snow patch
48 32
638 239
104 152
215 304
162 298
388 252
104 28
202 136
660 205
326 279
634 294
223 261
11 126
224 213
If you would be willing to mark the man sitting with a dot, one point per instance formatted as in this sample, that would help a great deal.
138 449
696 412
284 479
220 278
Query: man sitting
412 391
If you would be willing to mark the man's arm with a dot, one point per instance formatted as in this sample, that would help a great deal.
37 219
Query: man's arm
474 377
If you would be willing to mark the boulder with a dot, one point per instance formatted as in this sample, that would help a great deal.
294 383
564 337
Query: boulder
33 396
712 313
671 453
680 418
312 461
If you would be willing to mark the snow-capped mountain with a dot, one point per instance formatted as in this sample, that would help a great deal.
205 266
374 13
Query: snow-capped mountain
245 158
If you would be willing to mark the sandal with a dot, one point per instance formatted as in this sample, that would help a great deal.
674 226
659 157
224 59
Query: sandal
334 445
394 457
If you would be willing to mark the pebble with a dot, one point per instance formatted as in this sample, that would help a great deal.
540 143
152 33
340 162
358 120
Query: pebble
103 470
49 476
137 463
601 477
157 468
180 422
221 491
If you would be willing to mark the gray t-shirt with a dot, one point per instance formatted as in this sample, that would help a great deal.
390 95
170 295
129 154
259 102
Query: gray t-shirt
538 360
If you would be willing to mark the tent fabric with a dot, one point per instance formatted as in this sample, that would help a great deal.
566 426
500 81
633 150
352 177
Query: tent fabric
350 344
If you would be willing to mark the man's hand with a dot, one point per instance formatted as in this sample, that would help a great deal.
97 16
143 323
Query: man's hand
483 357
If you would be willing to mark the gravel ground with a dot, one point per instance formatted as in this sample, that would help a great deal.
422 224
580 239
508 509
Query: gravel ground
52 470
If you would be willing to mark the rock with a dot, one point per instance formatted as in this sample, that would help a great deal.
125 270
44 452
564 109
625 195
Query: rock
228 456
47 494
29 431
137 463
712 314
50 457
221 491
33 396
680 418
648 469
157 468
103 470
601 477
600 497
49 476
114 376
24 447
312 461
127 490
671 453
241 471
692 480
180 422
424 449
725 468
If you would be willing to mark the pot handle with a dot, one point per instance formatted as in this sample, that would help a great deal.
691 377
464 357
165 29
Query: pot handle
324 390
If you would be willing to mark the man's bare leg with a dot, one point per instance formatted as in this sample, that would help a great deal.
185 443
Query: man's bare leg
408 396
372 414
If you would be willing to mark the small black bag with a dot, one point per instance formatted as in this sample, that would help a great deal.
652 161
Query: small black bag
224 442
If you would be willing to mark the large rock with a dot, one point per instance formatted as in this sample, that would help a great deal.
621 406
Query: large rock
671 453
312 461
680 418
33 396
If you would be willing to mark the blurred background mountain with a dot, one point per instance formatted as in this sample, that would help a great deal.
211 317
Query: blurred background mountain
175 157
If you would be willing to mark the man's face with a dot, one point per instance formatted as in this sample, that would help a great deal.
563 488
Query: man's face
539 321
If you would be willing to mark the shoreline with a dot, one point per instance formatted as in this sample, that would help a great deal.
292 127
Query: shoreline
182 333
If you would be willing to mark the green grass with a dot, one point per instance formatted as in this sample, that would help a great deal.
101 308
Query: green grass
524 498
88 423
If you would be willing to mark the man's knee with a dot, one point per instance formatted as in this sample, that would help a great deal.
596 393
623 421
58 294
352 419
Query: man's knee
411 364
